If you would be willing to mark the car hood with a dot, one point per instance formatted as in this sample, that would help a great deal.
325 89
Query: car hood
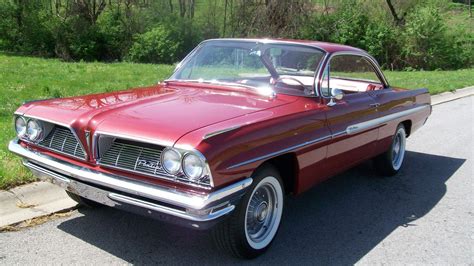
162 113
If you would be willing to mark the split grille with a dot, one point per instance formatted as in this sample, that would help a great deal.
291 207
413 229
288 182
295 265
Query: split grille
62 140
133 156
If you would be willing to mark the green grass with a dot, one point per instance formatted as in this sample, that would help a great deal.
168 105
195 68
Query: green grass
27 78
436 81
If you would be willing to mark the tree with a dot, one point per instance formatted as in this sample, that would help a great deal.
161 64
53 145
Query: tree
399 21
90 9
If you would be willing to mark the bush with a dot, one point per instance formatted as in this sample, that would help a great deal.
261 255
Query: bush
425 41
26 34
9 30
154 46
165 43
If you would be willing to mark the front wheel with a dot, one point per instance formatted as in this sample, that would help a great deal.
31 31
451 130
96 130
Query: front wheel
390 162
253 225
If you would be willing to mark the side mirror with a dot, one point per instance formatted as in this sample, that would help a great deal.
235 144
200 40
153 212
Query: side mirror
336 94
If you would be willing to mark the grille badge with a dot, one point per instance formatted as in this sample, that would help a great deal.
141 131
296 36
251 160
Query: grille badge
147 164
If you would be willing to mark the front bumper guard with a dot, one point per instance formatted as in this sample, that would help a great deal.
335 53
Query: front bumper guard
189 209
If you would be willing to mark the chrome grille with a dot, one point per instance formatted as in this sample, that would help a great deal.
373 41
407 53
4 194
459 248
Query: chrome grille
62 140
133 156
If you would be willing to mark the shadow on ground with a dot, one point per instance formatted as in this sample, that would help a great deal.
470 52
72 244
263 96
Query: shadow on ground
337 222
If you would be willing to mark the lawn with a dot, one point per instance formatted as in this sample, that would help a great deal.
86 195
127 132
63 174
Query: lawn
27 78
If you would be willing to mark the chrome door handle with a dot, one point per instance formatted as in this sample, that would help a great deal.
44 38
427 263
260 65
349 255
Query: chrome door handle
374 105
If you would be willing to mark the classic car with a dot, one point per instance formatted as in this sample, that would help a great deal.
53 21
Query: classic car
240 125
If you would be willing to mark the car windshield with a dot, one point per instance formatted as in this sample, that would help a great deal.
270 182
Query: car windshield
263 66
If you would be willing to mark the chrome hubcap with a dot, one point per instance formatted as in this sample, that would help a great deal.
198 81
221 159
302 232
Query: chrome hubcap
259 213
398 149
263 213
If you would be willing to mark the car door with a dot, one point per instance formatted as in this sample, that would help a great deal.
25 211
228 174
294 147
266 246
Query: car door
346 118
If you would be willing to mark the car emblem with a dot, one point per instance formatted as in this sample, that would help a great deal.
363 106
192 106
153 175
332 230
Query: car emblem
147 164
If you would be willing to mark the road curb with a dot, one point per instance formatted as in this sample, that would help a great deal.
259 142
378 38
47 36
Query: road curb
31 201
451 96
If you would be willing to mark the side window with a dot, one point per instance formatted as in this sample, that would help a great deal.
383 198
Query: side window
350 73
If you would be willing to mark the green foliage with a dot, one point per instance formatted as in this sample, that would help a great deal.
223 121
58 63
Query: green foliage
423 42
426 42
427 34
26 34
156 45
164 44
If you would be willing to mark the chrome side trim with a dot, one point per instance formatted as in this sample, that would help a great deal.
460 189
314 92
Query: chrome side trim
350 130
353 129
169 195
273 154
218 132
338 134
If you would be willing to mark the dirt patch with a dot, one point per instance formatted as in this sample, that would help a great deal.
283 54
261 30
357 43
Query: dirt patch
37 221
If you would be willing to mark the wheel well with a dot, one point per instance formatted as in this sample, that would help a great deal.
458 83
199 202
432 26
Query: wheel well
407 125
287 166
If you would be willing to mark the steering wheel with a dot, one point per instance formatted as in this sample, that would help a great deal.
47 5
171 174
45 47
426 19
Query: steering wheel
290 78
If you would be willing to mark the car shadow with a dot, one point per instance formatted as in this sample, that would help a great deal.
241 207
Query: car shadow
337 222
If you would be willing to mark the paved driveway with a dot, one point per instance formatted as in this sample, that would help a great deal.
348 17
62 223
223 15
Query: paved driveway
423 215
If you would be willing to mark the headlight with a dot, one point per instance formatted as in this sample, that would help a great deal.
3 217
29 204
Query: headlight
20 126
171 161
34 130
193 166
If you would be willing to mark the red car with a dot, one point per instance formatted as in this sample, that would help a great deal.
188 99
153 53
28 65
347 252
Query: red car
240 124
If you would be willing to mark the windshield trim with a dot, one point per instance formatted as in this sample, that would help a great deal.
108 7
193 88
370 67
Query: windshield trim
317 71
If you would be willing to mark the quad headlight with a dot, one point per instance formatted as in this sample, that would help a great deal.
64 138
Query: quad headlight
20 126
171 160
193 166
34 130
186 165
29 129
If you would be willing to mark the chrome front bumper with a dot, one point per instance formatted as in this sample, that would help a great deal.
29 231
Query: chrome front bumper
189 209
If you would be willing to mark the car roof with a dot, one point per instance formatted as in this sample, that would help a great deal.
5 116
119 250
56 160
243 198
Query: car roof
326 46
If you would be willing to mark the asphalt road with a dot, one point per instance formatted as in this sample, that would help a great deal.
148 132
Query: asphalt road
423 215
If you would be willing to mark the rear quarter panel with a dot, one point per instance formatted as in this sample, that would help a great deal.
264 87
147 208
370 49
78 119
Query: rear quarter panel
398 100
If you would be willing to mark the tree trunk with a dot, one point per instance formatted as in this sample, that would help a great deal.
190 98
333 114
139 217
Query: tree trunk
225 17
399 21
182 8
191 8
470 8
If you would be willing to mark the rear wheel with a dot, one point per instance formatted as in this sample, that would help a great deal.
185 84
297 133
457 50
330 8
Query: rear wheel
253 225
390 162
83 201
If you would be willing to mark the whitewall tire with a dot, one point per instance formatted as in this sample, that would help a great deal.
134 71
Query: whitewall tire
253 225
